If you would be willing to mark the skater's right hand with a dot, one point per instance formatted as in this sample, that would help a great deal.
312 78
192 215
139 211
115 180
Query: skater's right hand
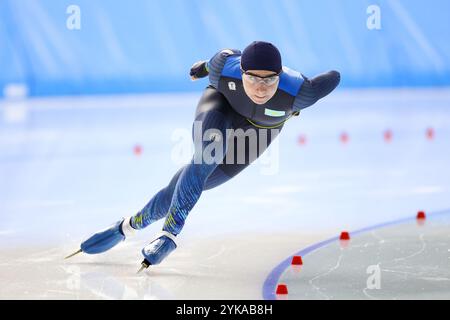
199 70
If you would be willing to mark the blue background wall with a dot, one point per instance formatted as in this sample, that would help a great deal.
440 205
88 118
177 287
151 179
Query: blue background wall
148 46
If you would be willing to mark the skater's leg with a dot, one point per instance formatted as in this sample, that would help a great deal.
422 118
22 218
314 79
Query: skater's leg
216 178
194 179
212 114
158 206
191 182
187 191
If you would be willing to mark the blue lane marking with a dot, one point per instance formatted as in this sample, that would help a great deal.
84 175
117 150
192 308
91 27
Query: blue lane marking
274 276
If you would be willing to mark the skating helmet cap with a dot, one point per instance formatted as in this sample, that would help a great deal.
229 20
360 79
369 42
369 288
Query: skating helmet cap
260 55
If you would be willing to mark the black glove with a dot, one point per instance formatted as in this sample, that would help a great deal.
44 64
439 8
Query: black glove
198 70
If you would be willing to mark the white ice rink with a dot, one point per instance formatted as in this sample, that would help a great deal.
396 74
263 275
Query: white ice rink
68 168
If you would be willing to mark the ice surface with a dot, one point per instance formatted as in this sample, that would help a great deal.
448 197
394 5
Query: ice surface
67 169
406 261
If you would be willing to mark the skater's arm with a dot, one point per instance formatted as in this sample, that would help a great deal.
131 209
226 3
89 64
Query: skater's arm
216 63
213 67
316 88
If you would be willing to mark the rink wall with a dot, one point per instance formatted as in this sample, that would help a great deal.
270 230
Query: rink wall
64 47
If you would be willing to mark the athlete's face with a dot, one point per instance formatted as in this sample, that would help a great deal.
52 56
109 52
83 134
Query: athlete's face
260 85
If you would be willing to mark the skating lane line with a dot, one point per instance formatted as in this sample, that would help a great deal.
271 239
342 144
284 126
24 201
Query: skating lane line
274 276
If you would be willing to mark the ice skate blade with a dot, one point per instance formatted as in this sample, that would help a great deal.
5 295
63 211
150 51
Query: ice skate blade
144 265
142 268
73 254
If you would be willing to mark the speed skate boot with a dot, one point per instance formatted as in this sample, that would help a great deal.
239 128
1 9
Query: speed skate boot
107 238
157 250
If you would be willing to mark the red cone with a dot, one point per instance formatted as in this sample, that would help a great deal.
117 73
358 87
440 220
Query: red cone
302 140
430 133
282 289
137 150
297 261
344 137
344 236
388 136
421 215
